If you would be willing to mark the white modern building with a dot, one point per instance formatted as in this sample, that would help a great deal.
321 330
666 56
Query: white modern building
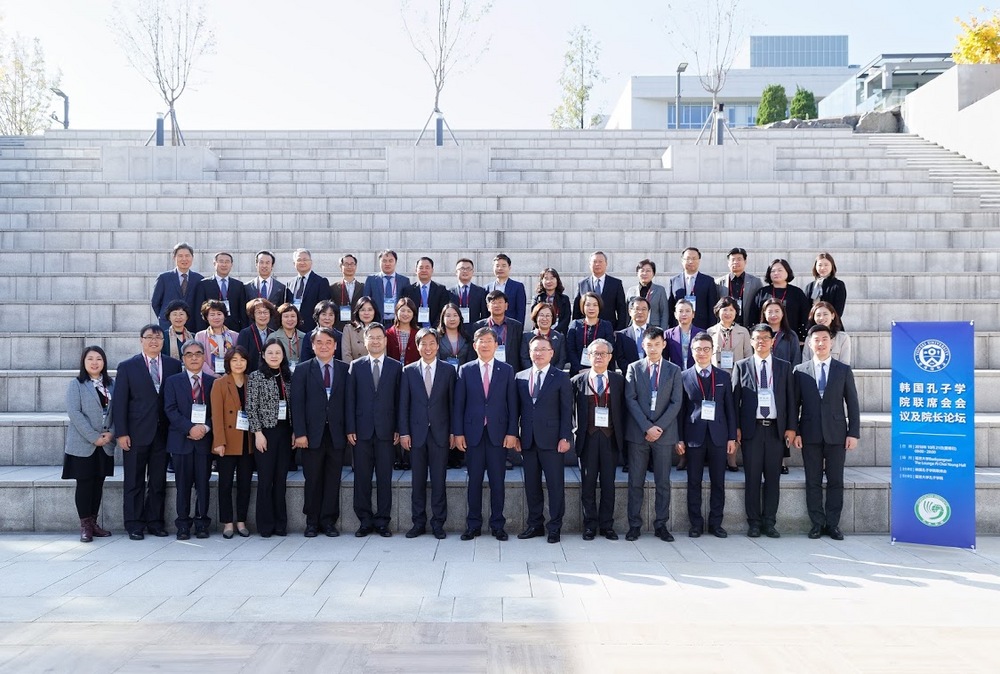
883 83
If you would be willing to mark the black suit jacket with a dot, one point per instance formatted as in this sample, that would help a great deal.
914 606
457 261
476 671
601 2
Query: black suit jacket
548 419
616 401
372 413
615 309
626 349
167 289
719 387
136 406
564 313
208 289
421 417
822 420
511 340
477 302
437 297
250 340
340 297
706 294
277 294
317 289
311 410
745 388
177 404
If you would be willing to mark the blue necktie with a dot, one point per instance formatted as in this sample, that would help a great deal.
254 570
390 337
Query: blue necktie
224 285
822 379
263 289
388 287
600 384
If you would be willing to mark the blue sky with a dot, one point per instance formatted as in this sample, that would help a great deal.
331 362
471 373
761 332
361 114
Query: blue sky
315 64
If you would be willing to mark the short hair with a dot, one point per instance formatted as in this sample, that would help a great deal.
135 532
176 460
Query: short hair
259 302
681 302
192 342
643 263
601 253
762 327
783 263
502 256
652 332
836 325
321 307
356 312
496 295
423 332
465 259
84 375
286 307
485 331
724 302
600 341
182 246
265 252
153 328
829 258
691 248
217 305
538 338
539 308
300 251
232 352
635 300
737 251
222 252
540 289
318 330
371 327
585 296
421 259
387 251
819 328
347 255
702 337
458 310
177 305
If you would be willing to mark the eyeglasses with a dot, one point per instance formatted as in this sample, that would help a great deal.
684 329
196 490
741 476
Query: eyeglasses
701 349
153 338
192 354
600 354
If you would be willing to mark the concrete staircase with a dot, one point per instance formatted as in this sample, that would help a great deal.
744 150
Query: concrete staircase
78 256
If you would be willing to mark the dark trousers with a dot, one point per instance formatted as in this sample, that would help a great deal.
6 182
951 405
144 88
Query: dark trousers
373 456
272 476
144 488
814 457
598 462
638 455
322 467
88 496
192 470
240 466
715 456
762 458
538 461
433 458
491 460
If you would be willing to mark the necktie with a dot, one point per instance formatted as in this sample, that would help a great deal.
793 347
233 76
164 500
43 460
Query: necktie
428 382
184 284
423 296
486 380
538 383
822 379
327 377
764 411
654 378
195 388
154 372
597 287
704 373
388 287
224 287
690 285
465 296
263 289
600 384
300 288
376 373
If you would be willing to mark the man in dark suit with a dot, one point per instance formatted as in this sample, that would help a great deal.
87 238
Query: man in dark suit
610 289
765 403
824 388
600 438
307 289
141 425
507 330
653 399
228 290
484 423
347 291
628 341
428 295
387 286
266 286
470 298
739 285
426 393
697 288
187 403
517 298
372 397
545 404
178 283
319 392
708 434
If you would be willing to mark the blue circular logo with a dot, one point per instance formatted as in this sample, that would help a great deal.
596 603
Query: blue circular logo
932 355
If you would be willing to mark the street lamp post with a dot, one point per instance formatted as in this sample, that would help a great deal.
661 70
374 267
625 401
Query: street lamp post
681 67
65 119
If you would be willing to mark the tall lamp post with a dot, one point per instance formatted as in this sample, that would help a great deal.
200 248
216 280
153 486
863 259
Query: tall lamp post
65 119
681 67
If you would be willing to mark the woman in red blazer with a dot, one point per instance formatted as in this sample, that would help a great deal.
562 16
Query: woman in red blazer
401 337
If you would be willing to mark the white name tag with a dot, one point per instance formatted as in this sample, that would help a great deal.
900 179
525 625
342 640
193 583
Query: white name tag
726 360
652 401
424 315
226 302
297 303
693 301
453 361
585 359
242 423
739 305
602 417
765 398
282 410
292 364
388 309
220 365
465 314
199 413
345 314
708 410
501 353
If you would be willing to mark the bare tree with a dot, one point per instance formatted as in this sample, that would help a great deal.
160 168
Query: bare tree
163 41
447 40
713 32
580 74
25 88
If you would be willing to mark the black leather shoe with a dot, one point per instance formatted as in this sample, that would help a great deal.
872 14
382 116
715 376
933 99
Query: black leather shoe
135 536
771 532
500 534
835 533
201 533
664 535
553 537
733 469
280 532
263 535
815 531
624 469
694 533
609 534
509 464
416 531
784 470
159 532
753 531
633 534
531 532
472 533
718 532
183 535
682 464
384 531
440 534
589 534
331 531
310 532
363 531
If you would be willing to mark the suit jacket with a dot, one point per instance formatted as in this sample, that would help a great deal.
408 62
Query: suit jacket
694 429
834 291
277 294
511 339
250 340
312 411
422 417
517 298
615 310
375 289
797 307
136 405
627 350
225 407
86 418
548 419
675 347
231 339
822 419
745 387
177 404
371 413
471 407
477 301
638 395
338 293
392 347
659 304
317 289
706 295
437 297
463 354
307 350
616 402
575 340
751 284
564 313
167 289
208 289
556 340
738 342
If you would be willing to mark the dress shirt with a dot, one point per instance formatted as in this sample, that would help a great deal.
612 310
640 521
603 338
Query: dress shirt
772 411
534 378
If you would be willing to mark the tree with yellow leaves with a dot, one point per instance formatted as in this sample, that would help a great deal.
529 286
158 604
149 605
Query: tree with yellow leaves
979 41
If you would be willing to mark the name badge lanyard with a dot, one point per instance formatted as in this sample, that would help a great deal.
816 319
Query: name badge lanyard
701 385
597 396
282 400
502 336
293 346
256 339
586 340
742 287
774 294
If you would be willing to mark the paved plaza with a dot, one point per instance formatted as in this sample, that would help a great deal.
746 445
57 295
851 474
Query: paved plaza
384 605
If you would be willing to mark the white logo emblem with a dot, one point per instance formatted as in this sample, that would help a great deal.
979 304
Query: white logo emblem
932 355
932 510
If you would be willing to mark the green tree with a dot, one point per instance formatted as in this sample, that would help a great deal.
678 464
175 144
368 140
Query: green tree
773 104
580 74
25 92
979 41
804 104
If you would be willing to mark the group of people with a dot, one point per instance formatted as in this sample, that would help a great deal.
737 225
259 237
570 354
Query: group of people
386 373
